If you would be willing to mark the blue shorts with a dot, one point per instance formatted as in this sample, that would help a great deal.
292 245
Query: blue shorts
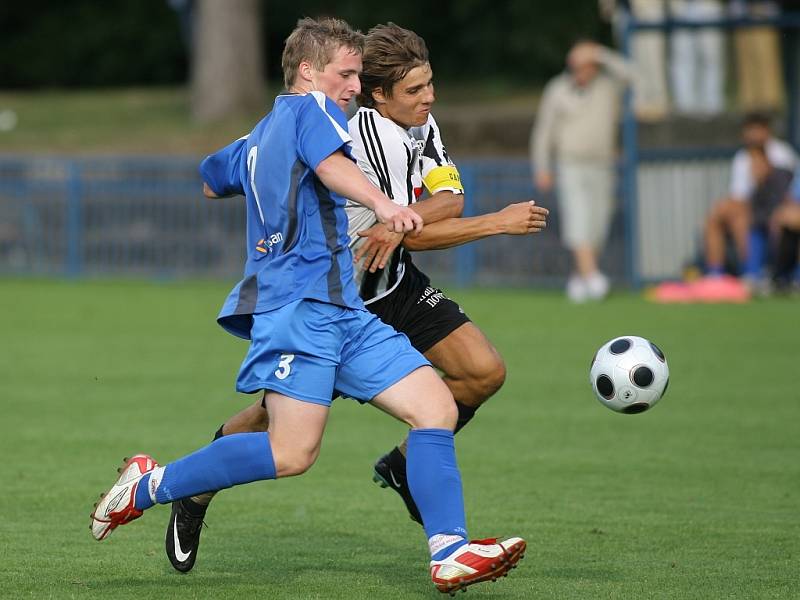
311 351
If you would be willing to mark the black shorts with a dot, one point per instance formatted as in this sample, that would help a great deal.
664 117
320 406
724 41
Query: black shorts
420 311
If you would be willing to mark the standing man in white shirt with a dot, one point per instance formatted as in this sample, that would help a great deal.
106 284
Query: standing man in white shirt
577 122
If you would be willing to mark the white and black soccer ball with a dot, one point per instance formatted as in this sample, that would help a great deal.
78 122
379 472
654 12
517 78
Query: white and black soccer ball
629 374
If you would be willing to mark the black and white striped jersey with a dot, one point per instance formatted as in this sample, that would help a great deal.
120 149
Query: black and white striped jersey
400 162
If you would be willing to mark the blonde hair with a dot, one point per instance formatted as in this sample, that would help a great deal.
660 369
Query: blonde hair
316 40
390 52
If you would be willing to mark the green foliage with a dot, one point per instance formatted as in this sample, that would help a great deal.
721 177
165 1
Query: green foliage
696 499
469 40
89 43
118 42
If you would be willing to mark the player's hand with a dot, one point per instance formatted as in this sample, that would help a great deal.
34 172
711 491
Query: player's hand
522 218
399 219
377 248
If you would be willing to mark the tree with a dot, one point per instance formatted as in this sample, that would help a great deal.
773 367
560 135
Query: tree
227 72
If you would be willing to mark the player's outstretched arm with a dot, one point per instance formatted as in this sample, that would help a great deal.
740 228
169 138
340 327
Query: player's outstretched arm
379 245
442 205
515 219
341 175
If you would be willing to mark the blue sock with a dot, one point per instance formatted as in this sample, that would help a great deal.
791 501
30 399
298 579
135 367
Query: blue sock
231 460
435 484
142 500
756 253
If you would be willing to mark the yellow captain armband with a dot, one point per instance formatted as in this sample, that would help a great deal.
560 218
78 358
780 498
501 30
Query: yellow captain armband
443 178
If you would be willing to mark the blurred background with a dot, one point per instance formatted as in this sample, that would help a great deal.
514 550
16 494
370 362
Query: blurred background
106 109
113 266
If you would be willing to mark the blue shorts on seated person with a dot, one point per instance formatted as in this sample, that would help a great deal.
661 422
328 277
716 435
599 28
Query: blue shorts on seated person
308 349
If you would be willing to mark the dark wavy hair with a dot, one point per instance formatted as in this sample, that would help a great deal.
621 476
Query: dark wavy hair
390 52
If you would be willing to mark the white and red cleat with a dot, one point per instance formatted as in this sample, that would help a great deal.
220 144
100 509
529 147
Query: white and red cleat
480 560
116 507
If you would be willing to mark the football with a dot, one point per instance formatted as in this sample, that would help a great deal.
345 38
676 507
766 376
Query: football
629 374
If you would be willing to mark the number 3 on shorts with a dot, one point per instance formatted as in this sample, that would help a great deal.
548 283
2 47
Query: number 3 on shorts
284 366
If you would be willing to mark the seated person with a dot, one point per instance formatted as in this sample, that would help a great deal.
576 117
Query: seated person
784 227
772 185
733 215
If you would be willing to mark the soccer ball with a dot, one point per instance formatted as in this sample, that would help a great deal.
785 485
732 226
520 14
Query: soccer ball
629 374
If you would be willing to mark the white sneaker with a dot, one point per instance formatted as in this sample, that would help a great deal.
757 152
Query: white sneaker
577 291
116 507
597 286
480 560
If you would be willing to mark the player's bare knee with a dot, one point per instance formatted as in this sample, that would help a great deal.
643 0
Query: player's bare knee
292 469
496 377
435 410
449 416
444 417
488 381
294 463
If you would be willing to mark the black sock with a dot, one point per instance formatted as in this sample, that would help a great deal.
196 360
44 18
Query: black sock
465 414
218 434
194 508
397 462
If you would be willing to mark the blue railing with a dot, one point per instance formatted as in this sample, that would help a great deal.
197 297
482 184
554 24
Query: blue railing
146 217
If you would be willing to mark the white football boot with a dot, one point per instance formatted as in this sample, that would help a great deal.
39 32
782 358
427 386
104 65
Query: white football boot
480 560
116 507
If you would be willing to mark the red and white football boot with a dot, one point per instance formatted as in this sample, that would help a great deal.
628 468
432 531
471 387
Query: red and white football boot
480 560
116 507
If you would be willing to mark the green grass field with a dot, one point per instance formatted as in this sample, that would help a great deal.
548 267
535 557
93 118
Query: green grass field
698 498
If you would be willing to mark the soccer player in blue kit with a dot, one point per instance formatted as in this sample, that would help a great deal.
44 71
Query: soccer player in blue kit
309 333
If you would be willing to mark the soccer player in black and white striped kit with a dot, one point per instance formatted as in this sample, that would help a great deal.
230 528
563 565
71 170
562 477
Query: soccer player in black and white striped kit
398 145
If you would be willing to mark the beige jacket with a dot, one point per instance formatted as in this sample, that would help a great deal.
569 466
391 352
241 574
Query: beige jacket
580 124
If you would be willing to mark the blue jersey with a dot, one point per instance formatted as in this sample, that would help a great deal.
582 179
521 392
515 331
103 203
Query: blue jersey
297 242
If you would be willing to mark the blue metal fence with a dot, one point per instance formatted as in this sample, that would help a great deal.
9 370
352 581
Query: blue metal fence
147 217
113 216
